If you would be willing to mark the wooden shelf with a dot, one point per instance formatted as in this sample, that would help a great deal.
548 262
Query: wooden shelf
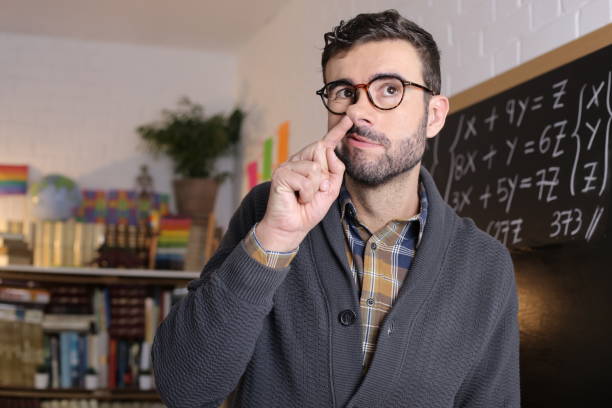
103 276
115 395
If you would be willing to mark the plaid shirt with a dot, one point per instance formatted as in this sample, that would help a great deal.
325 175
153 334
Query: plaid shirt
379 271
379 262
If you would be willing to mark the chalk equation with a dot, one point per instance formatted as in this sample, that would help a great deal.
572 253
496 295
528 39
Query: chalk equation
531 165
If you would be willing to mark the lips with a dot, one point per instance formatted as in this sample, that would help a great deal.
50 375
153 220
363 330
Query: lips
361 141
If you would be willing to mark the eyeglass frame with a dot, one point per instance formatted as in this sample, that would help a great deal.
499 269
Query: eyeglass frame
321 92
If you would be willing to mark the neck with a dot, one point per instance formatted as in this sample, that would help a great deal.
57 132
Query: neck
396 199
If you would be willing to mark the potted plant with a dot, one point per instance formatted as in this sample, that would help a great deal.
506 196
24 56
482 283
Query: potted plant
91 379
41 378
194 142
145 380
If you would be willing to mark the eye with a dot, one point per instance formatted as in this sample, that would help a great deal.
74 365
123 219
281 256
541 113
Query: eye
343 92
390 90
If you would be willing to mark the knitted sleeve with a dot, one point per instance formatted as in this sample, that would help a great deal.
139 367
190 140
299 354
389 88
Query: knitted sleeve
202 348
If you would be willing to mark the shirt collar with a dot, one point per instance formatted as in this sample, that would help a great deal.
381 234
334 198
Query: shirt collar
348 211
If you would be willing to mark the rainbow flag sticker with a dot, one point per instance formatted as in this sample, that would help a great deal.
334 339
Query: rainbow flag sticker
13 180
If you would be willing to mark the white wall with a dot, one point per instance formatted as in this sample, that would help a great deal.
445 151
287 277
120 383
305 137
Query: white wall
279 69
71 107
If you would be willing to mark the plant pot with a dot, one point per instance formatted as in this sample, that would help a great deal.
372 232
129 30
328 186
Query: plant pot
91 381
145 382
195 197
41 381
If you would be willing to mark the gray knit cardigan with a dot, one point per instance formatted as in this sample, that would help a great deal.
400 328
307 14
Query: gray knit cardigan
450 340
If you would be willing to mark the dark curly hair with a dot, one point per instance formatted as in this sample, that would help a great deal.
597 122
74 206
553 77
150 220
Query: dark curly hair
386 25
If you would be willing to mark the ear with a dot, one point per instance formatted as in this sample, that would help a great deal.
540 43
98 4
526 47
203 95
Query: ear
437 111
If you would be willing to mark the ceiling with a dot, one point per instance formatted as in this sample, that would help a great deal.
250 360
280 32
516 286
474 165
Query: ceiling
193 24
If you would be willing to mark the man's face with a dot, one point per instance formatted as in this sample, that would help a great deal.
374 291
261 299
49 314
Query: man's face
382 143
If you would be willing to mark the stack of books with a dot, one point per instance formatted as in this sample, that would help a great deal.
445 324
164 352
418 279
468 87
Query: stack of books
172 243
125 246
14 250
66 243
21 334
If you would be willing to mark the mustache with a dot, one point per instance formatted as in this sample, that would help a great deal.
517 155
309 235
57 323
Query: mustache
370 134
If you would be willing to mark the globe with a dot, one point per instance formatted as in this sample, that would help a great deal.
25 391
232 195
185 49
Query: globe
55 198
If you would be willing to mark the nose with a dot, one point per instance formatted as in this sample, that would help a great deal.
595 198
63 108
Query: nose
361 111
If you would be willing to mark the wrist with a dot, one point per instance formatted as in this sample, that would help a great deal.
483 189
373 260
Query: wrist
273 239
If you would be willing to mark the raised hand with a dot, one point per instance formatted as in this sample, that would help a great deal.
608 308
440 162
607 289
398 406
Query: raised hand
302 190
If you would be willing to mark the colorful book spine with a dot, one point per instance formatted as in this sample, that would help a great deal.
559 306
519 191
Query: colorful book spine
112 364
82 362
74 359
64 349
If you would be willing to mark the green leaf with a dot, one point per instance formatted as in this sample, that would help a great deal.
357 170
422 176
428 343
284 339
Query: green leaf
191 140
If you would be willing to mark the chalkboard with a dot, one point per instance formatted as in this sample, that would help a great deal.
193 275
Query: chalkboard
531 165
549 185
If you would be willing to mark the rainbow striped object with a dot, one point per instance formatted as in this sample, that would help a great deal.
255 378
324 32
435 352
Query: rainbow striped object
120 206
172 242
13 179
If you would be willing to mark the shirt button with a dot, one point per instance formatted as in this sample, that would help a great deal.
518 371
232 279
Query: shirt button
370 302
347 317
373 246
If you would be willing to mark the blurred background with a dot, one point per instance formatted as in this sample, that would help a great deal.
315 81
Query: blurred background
83 90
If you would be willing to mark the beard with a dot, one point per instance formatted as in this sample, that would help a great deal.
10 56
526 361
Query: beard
395 160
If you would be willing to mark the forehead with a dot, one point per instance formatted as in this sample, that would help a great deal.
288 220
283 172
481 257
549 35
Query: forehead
362 61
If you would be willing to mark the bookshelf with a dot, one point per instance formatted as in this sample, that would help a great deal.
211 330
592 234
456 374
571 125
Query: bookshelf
80 394
102 276
96 279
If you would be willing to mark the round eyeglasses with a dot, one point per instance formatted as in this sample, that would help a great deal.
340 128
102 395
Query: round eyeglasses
384 92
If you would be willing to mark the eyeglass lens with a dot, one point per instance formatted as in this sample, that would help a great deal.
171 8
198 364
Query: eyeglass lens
385 93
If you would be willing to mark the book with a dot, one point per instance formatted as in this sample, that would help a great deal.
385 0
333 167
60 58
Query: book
8 317
14 250
73 358
112 364
70 299
57 242
66 243
122 362
127 304
13 241
55 361
31 345
21 342
81 368
47 243
25 295
67 322
65 341
67 247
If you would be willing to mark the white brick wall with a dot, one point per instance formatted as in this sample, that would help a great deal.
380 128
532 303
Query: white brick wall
478 39
544 12
593 15
71 107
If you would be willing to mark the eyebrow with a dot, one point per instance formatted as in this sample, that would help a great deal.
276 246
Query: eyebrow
371 78
386 75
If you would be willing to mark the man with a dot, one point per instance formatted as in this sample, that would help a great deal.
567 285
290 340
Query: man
356 288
